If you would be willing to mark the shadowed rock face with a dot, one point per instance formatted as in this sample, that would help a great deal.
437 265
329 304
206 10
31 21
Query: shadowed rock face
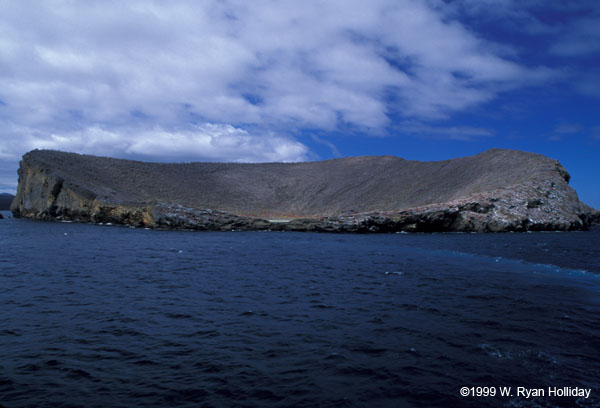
497 190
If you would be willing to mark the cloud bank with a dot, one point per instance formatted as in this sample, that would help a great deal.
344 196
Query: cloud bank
211 142
232 80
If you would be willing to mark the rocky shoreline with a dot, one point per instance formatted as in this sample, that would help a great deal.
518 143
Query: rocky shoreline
531 205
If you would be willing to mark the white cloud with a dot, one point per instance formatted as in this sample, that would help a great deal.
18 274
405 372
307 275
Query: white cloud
310 63
234 80
208 142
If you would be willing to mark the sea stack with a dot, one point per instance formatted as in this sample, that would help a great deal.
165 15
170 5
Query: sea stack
494 191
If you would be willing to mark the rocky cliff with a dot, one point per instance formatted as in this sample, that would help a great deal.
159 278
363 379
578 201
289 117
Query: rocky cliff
497 190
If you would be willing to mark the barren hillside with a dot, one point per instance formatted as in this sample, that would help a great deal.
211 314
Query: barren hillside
56 184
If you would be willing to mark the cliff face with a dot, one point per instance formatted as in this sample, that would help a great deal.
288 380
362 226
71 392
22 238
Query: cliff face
498 190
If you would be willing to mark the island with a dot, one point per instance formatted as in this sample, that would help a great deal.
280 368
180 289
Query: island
5 201
494 191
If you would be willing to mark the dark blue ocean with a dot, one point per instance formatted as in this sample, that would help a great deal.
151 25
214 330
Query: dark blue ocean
108 316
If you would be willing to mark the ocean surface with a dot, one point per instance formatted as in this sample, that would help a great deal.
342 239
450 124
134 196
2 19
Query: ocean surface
109 316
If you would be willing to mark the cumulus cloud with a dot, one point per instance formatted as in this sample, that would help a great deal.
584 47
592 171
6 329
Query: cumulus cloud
236 80
273 63
207 142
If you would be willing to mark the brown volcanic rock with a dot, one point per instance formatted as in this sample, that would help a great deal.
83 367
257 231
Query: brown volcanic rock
497 190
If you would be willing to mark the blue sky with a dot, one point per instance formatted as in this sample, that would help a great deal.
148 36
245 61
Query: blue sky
290 81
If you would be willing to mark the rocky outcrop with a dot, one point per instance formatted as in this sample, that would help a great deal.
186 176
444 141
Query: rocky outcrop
592 215
498 190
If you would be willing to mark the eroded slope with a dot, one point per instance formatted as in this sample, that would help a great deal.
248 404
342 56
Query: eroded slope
496 190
